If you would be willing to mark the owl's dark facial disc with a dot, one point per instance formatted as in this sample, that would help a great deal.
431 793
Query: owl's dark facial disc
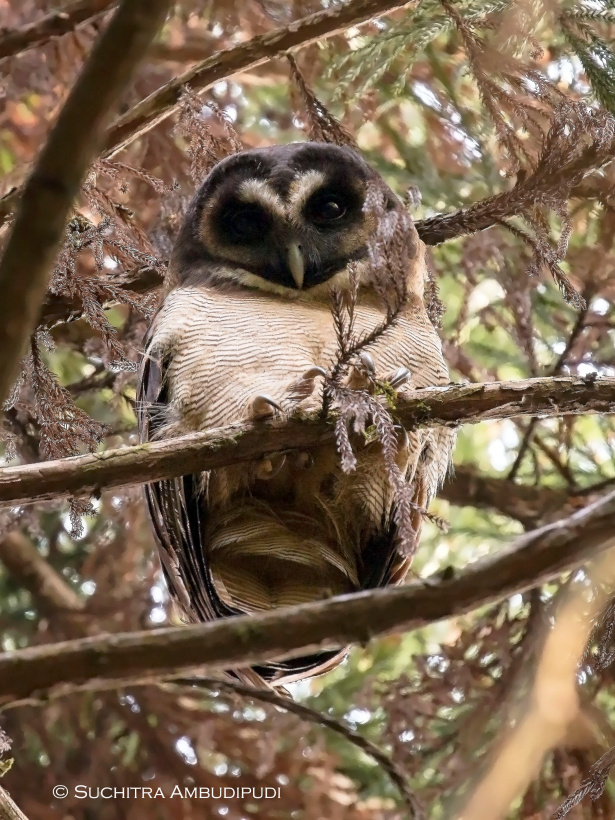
289 241
290 216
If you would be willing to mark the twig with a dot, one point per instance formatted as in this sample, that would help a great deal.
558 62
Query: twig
59 170
593 785
142 657
237 443
579 326
523 448
313 716
528 504
51 25
57 309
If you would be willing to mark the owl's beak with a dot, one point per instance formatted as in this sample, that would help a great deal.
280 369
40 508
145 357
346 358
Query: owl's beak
296 264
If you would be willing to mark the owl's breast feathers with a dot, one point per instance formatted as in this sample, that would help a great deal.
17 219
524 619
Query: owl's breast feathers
285 530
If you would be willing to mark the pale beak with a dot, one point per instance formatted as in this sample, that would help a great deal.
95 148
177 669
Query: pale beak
296 263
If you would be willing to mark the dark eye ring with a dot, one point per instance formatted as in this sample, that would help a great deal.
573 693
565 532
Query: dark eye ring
246 221
326 208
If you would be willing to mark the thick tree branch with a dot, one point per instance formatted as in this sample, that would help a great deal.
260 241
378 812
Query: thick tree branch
114 660
237 443
59 170
54 24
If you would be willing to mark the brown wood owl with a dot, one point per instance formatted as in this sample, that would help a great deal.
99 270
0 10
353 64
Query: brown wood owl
245 331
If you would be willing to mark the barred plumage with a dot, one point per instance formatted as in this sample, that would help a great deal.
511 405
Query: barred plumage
237 334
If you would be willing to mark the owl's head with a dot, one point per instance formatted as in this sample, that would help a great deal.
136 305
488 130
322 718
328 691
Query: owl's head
286 219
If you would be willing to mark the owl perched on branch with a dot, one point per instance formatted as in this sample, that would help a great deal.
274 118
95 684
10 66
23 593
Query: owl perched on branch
297 276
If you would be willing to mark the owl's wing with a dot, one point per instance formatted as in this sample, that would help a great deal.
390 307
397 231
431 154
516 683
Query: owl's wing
174 504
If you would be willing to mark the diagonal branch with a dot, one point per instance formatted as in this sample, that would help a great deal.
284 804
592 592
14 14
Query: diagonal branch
9 810
47 587
142 657
54 24
59 170
237 443
539 723
530 505
314 28
543 186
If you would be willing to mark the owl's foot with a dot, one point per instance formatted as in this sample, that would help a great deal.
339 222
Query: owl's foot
399 378
263 407
362 373
304 386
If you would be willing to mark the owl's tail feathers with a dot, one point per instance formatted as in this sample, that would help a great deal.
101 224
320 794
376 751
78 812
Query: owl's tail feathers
260 560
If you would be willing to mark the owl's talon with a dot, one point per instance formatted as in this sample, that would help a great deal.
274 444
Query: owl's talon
268 468
399 378
313 372
263 407
367 364
304 386
362 373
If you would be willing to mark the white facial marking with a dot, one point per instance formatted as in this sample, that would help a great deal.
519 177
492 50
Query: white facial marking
301 189
259 191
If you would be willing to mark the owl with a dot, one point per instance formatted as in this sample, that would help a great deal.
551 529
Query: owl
246 331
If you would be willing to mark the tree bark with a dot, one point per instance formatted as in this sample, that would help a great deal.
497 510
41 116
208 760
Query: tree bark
237 443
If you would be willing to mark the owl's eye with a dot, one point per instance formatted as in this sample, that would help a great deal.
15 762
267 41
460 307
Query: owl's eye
246 222
325 208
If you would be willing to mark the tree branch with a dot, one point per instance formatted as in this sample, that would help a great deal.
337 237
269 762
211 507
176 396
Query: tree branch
27 565
316 27
529 505
9 810
57 309
54 24
115 660
59 170
536 189
237 443
540 722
